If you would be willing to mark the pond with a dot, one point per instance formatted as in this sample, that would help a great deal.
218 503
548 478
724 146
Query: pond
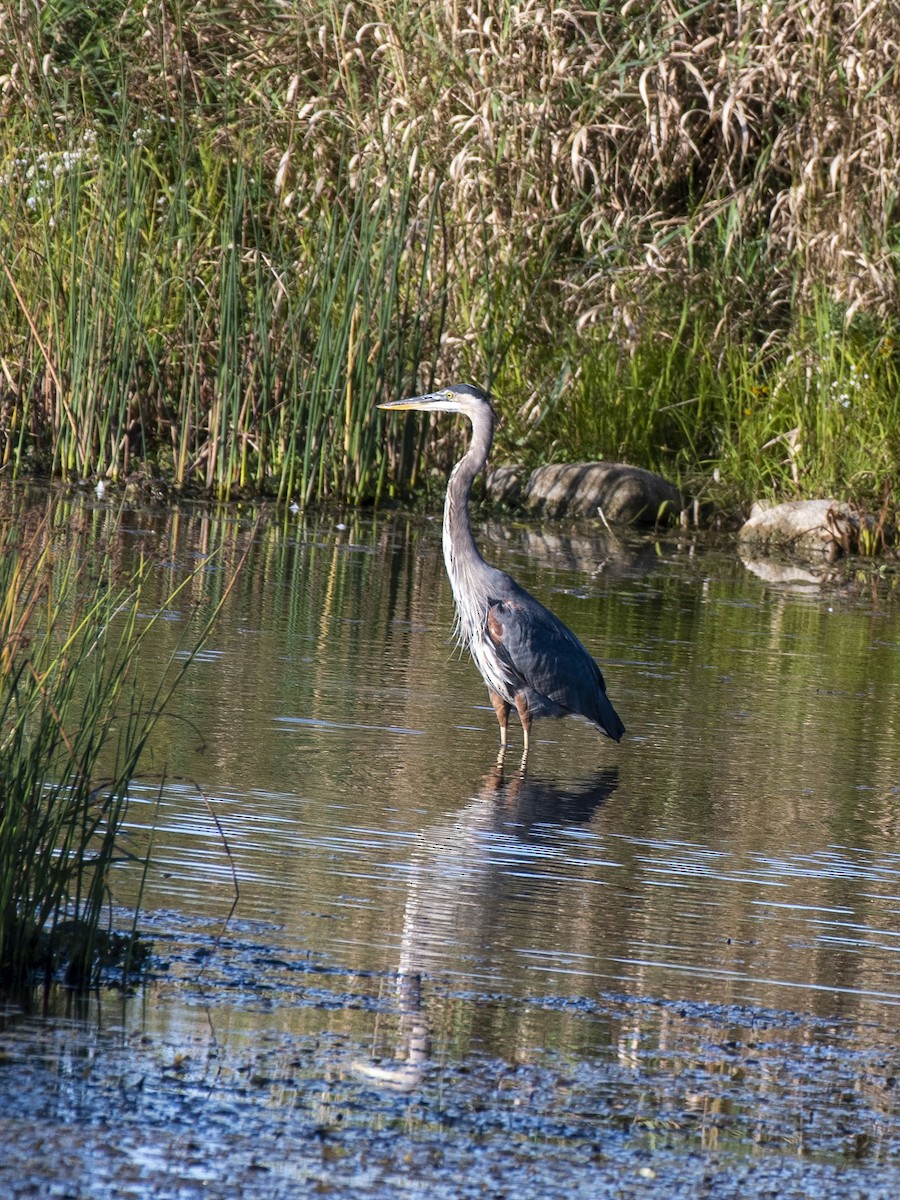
667 967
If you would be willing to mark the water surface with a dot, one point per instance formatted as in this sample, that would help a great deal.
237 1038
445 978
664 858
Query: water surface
705 914
739 845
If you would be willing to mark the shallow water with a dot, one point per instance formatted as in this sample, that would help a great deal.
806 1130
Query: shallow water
685 944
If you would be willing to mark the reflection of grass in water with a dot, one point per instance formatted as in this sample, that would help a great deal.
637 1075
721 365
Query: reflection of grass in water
73 726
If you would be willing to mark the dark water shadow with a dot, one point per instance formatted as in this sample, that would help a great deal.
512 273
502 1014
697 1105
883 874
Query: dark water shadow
524 799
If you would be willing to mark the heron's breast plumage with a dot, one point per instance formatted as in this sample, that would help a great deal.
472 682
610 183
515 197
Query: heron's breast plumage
472 595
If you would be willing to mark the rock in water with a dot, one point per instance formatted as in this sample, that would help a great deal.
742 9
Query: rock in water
829 527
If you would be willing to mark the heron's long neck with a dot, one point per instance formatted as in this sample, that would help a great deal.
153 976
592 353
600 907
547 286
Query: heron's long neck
461 555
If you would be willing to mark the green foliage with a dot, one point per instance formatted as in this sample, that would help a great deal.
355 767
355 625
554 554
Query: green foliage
818 416
73 727
228 232
195 337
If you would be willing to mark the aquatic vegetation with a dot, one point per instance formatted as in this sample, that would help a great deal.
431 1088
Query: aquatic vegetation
74 723
819 416
228 234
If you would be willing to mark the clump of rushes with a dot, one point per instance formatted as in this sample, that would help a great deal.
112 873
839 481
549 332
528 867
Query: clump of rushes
818 417
73 725
227 232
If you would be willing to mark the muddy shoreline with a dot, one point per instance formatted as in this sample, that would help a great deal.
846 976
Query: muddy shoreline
193 1086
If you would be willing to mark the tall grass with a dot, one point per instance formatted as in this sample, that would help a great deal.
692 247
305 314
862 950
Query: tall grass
819 417
74 723
214 350
227 232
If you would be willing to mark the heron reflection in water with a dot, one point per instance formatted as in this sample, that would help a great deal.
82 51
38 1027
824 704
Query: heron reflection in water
464 915
528 658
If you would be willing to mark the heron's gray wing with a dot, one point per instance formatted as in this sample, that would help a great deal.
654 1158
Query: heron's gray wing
550 660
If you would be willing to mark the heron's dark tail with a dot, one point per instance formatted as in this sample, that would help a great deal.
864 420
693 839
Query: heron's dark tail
606 718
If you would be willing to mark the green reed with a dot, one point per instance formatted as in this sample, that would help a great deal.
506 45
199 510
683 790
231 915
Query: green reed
224 238
74 723
819 416
180 327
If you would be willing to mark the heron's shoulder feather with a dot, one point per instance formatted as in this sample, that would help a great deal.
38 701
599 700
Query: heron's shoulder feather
546 656
535 638
521 646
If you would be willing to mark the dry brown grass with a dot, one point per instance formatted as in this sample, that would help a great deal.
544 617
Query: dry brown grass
633 138
654 141
597 168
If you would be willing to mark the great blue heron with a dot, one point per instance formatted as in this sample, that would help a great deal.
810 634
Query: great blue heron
528 658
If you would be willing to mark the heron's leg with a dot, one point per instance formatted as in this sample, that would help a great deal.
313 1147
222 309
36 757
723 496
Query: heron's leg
525 718
501 708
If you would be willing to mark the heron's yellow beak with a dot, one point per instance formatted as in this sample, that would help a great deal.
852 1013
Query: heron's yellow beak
443 401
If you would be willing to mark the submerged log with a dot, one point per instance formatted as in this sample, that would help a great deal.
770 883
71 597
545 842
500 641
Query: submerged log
504 485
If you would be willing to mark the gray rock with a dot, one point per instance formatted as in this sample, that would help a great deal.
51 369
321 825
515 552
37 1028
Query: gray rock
828 527
504 485
623 494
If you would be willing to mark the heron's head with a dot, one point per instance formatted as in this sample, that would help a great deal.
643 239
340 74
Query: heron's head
458 398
